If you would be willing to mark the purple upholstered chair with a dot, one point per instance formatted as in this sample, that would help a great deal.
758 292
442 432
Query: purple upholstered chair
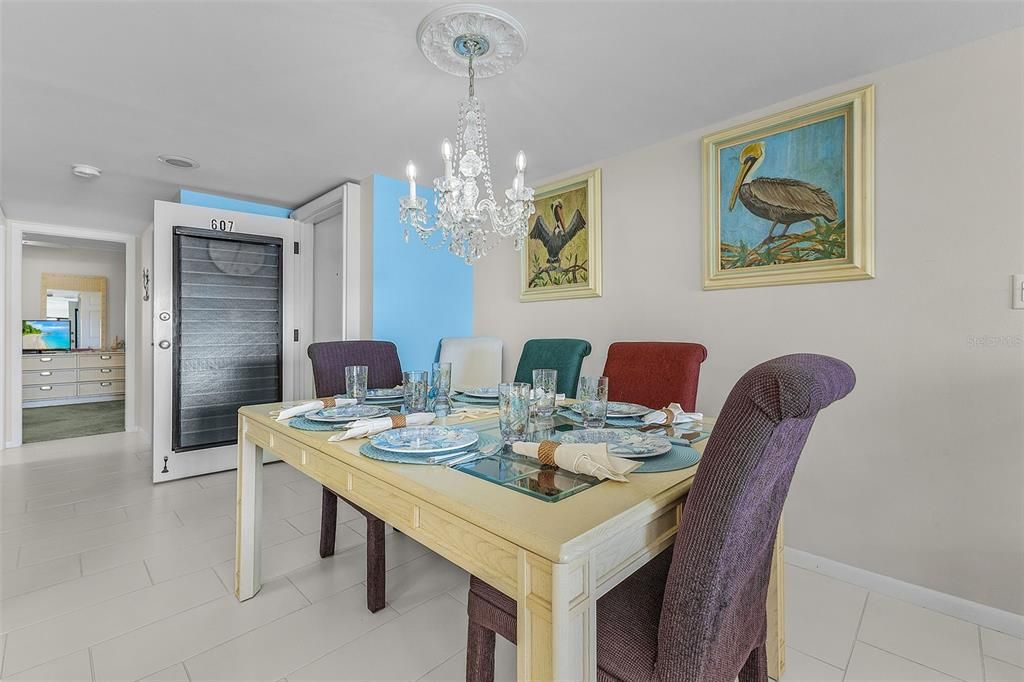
696 612
383 371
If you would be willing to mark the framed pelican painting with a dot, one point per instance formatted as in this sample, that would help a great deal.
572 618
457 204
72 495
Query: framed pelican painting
788 199
562 254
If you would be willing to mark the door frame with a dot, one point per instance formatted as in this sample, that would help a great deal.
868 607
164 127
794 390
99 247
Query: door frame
16 230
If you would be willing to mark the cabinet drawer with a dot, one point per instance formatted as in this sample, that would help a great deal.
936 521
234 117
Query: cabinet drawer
33 362
101 360
101 388
48 391
101 373
49 376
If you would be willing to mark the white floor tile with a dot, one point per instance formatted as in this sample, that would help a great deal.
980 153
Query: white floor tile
175 673
803 668
61 527
869 664
420 580
309 521
51 548
17 581
289 556
932 639
178 562
33 607
137 549
1002 646
822 615
272 651
1000 671
64 634
71 668
14 521
186 634
429 635
454 669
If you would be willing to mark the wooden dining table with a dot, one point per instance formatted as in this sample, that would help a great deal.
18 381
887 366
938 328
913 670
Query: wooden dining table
555 559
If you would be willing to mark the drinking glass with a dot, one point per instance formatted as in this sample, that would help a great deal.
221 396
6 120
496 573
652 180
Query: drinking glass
415 391
593 398
545 382
440 387
513 411
355 382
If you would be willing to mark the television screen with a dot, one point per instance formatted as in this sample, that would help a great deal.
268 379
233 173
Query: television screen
46 335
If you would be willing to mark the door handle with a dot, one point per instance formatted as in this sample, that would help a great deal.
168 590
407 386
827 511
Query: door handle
46 388
106 371
165 344
104 357
106 383
45 374
45 359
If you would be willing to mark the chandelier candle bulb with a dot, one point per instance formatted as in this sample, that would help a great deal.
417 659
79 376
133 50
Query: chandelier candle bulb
446 154
410 172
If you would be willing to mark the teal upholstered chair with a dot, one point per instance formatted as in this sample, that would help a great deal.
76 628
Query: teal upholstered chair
564 355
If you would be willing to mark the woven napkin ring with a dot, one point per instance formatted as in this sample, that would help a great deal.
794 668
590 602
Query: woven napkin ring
398 421
670 416
328 402
546 452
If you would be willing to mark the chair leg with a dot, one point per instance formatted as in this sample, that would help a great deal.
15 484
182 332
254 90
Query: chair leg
479 654
756 667
328 522
376 571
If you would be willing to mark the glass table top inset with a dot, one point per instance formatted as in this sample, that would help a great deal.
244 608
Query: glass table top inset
529 476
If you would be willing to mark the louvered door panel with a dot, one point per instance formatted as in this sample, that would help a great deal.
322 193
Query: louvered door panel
228 332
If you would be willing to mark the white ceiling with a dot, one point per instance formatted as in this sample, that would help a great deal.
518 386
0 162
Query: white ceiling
281 101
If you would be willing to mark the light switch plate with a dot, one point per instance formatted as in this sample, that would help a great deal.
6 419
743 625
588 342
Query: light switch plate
1018 292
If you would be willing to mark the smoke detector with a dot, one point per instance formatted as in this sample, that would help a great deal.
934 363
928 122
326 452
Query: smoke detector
178 161
84 170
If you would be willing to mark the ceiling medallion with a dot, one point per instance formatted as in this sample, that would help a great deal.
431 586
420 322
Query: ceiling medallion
474 41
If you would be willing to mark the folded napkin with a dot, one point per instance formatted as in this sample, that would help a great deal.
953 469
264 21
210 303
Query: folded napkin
673 414
368 427
591 459
467 413
318 404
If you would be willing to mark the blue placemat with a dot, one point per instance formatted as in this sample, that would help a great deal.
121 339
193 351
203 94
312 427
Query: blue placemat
616 422
679 457
304 424
372 452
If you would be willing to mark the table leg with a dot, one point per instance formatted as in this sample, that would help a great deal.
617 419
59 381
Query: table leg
557 621
248 518
776 639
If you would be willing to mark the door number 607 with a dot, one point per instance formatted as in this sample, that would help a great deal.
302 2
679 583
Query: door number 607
222 225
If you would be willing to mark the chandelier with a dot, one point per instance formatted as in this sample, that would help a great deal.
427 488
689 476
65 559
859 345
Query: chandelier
474 41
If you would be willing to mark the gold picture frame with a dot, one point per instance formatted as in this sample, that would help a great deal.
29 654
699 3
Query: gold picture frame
822 183
561 258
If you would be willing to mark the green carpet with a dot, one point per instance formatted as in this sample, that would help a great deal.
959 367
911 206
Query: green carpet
71 421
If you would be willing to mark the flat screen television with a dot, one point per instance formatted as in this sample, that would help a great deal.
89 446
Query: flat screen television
44 335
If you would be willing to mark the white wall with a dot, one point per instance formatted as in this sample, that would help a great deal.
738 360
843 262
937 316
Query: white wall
37 260
919 473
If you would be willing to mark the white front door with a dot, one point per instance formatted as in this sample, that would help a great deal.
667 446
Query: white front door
226 315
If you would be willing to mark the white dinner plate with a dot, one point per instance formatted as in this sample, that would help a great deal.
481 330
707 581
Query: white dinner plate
616 409
346 413
625 443
424 440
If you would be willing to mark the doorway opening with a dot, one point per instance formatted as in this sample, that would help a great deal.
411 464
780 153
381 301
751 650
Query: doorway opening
73 337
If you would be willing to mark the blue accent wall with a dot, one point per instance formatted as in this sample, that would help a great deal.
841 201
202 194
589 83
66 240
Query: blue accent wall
192 198
419 294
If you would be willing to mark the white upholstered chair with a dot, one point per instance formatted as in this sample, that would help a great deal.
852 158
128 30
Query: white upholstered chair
476 360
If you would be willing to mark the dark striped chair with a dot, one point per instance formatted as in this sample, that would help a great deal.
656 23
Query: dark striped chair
383 371
696 612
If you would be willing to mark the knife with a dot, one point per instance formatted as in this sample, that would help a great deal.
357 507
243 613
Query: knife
438 459
473 456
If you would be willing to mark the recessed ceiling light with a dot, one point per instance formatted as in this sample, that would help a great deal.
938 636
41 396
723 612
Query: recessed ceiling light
178 161
84 170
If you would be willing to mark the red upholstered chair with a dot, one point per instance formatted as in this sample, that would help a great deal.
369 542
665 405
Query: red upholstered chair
654 373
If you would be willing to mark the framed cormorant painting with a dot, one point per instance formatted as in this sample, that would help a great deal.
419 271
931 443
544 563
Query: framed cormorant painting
788 199
562 254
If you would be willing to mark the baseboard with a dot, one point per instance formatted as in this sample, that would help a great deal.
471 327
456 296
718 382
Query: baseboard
958 607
